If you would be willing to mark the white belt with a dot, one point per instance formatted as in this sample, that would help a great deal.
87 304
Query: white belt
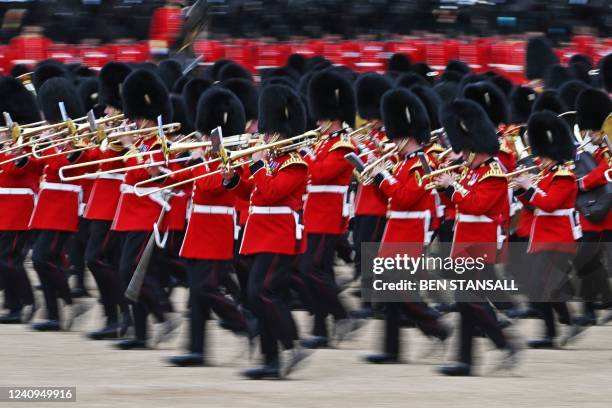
254 209
111 176
415 215
472 218
17 191
346 205
556 213
501 238
439 206
327 189
156 197
73 188
221 210
213 209
564 212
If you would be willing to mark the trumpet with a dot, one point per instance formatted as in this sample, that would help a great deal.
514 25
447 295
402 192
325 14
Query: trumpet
527 169
442 170
366 175
236 159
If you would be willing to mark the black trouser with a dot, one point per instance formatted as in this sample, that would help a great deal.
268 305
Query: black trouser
205 278
102 256
241 266
48 261
172 269
546 267
17 287
424 317
590 267
478 314
268 292
133 244
366 228
318 270
75 249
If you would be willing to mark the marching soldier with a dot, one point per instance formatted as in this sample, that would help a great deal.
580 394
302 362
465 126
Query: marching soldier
19 181
331 100
102 249
144 98
593 112
370 202
209 240
56 214
481 201
555 226
273 235
412 210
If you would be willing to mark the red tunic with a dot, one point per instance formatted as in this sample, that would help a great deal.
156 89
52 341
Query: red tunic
59 204
370 200
138 213
18 186
481 201
210 231
412 208
326 209
595 179
102 202
276 198
555 225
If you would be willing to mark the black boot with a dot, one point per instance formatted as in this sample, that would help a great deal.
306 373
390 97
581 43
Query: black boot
48 325
11 318
456 370
382 358
131 344
187 360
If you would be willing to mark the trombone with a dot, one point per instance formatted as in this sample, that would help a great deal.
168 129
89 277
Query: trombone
283 146
119 158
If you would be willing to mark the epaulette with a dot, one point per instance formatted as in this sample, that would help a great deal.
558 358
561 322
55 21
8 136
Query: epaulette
418 164
494 171
563 171
343 143
293 160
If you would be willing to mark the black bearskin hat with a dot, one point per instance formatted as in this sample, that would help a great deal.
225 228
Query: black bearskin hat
192 91
468 127
89 94
549 100
110 83
550 136
404 116
410 79
569 92
281 111
605 72
248 94
521 101
179 114
144 95
45 71
399 63
169 71
539 56
431 101
458 66
57 90
220 107
17 101
557 75
491 98
593 107
233 70
331 96
369 89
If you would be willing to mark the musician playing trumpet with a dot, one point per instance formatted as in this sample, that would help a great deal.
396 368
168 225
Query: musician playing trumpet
411 215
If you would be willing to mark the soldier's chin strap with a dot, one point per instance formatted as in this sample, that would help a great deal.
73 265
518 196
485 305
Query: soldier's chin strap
470 159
